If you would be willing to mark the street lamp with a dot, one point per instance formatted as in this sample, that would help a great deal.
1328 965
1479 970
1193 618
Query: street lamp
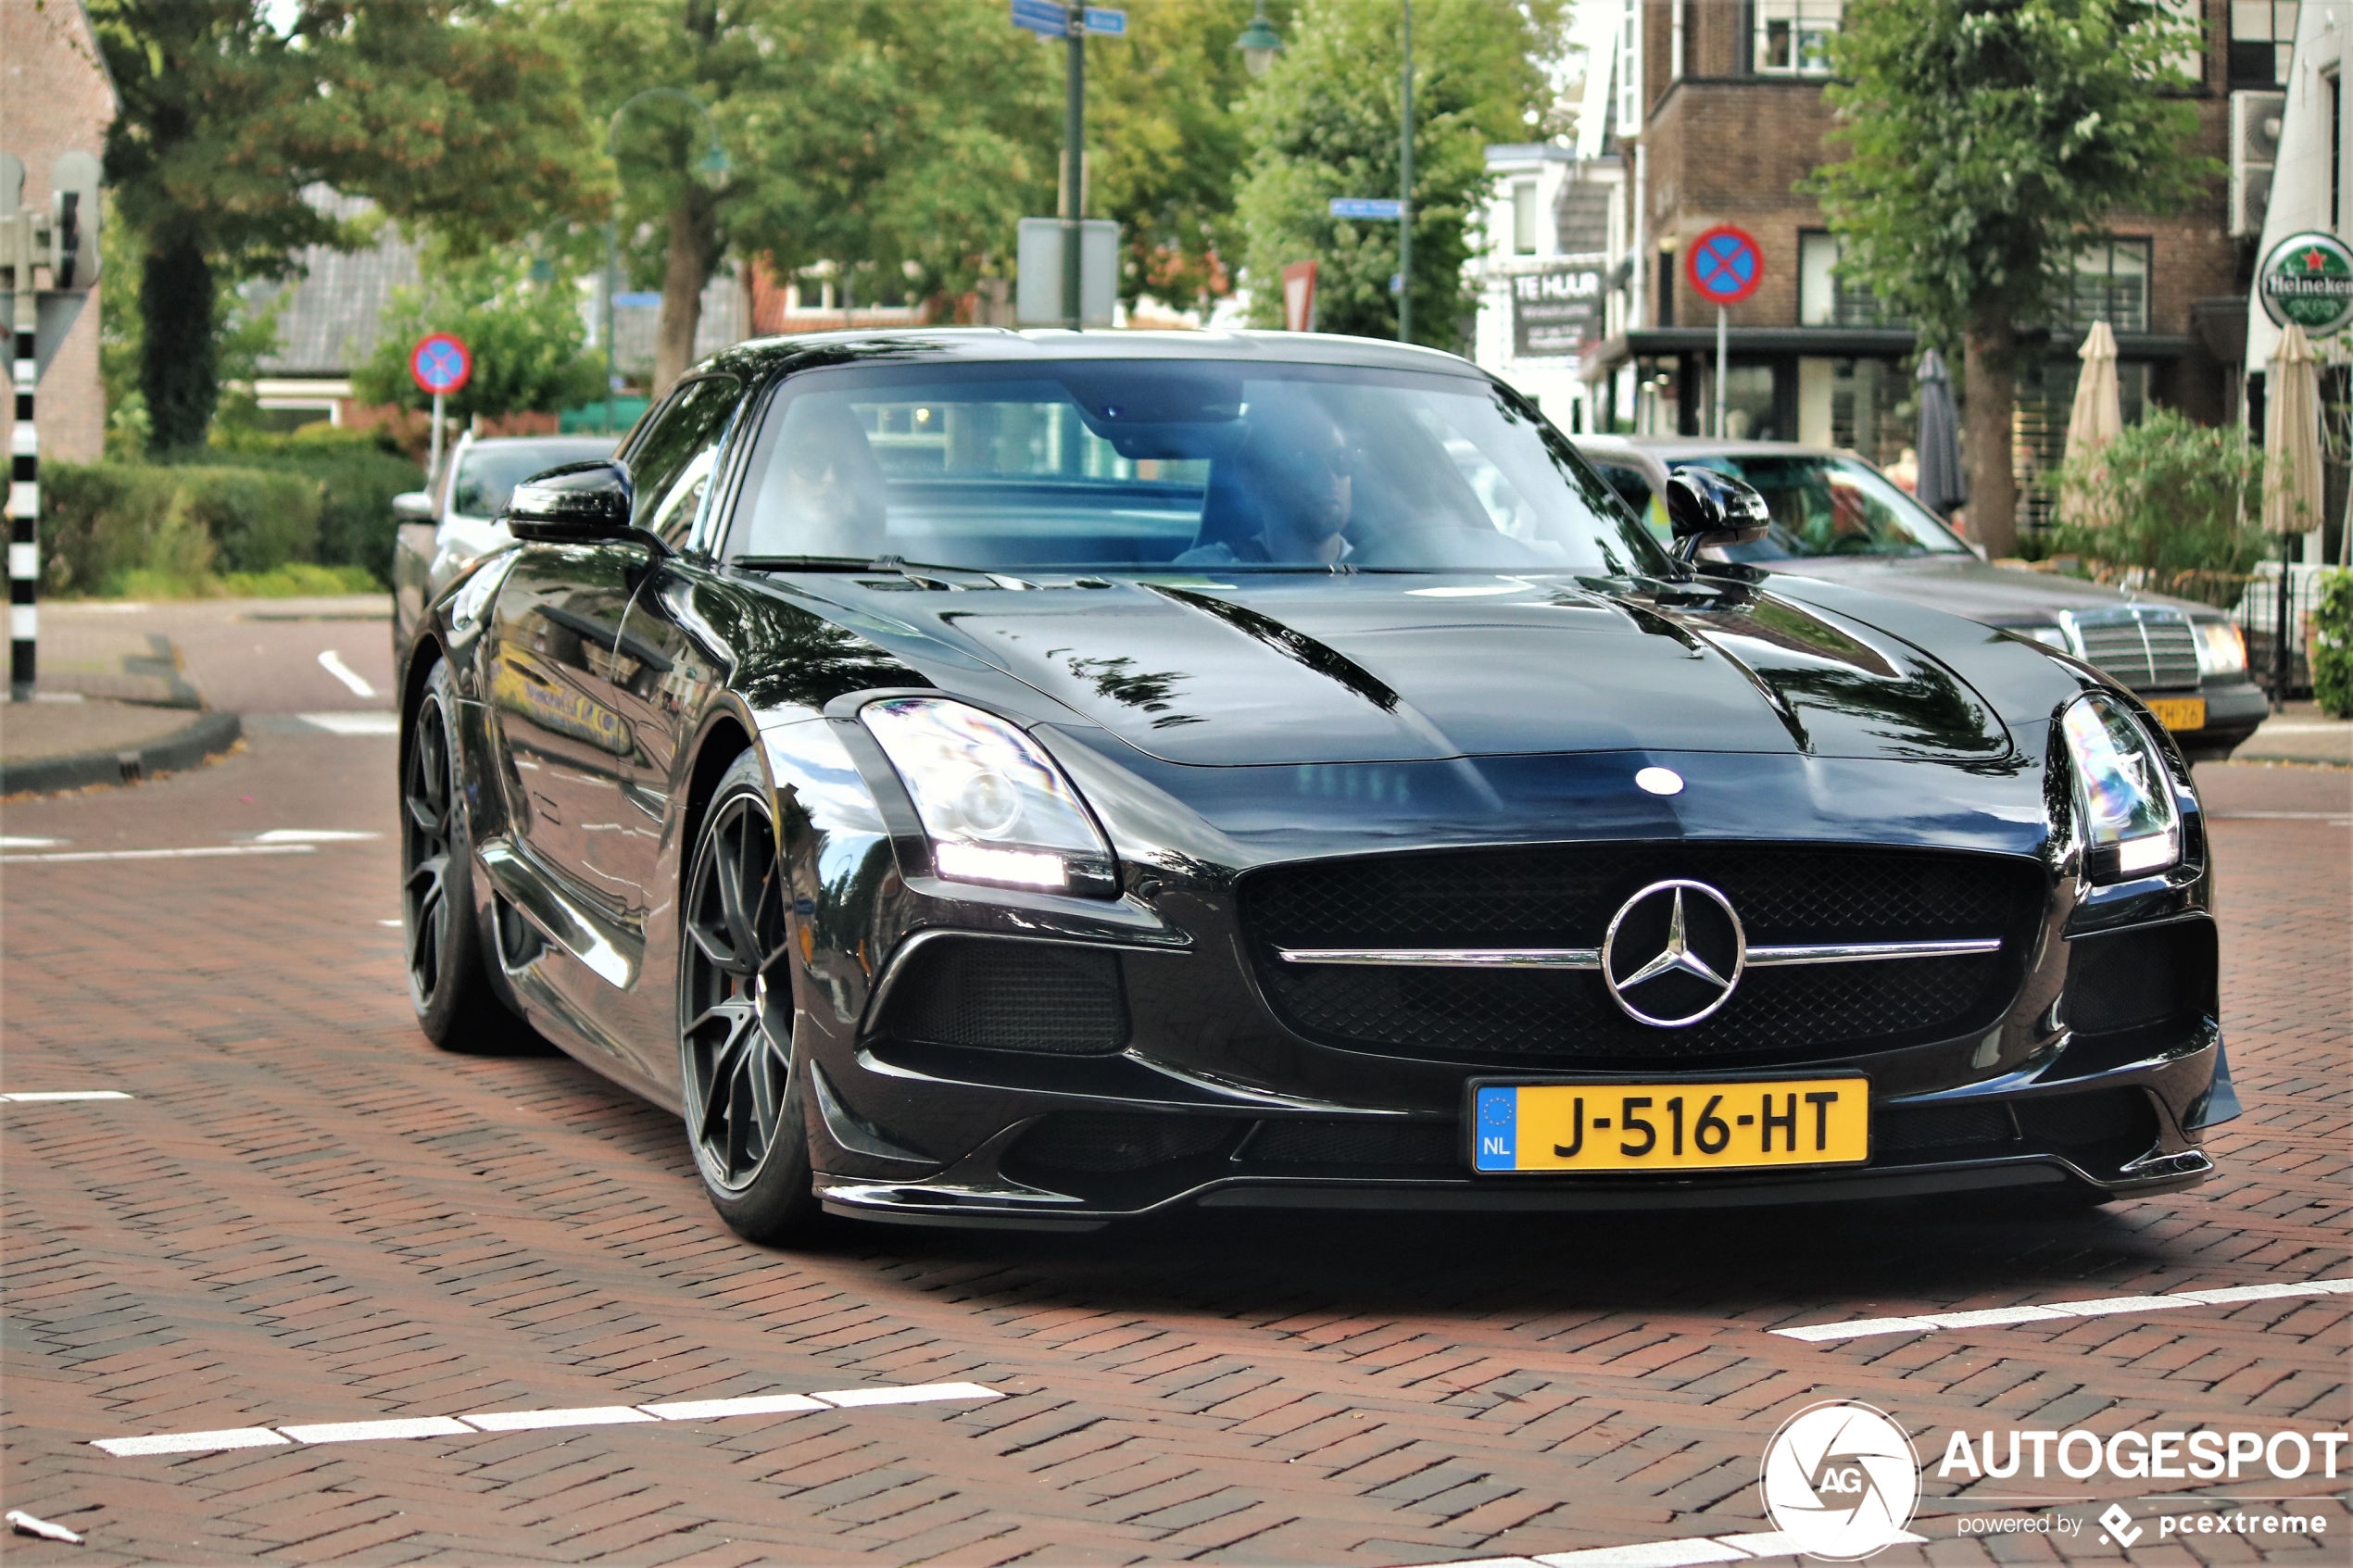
1259 44
713 169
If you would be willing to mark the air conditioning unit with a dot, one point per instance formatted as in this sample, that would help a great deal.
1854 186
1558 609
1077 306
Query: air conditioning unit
2255 148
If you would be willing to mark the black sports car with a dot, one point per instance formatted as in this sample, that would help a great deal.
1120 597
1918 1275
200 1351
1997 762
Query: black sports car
1035 778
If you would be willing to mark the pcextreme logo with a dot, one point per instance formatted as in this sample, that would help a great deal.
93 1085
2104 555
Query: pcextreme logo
1841 1479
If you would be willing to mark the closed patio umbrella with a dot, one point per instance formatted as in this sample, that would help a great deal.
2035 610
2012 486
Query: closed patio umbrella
1943 483
2291 473
2099 415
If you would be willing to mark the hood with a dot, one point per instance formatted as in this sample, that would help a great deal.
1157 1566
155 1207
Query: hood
1318 669
1963 585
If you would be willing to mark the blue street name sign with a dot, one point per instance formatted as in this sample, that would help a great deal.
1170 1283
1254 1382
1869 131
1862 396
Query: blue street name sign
1378 208
1042 17
1102 18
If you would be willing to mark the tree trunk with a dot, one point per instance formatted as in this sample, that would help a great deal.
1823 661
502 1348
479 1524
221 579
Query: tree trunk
176 358
1992 361
687 270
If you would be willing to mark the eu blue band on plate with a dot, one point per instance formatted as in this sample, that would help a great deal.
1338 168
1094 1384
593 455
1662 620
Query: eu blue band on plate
1497 1128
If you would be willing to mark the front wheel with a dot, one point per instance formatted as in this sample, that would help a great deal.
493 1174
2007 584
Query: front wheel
736 1021
448 984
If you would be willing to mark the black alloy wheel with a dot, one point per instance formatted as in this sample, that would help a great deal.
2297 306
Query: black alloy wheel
448 984
735 1019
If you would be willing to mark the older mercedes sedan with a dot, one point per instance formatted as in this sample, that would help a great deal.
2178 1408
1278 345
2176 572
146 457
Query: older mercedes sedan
1039 779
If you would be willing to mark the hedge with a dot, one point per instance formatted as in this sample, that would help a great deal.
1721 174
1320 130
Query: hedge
101 523
358 477
2333 646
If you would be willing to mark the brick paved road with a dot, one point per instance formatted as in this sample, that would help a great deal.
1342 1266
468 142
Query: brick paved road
308 1214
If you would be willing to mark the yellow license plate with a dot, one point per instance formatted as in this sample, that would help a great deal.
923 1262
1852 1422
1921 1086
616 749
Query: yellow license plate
2179 713
1734 1125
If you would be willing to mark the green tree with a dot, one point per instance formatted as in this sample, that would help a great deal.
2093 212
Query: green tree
1988 140
903 137
1167 143
444 111
525 334
1323 124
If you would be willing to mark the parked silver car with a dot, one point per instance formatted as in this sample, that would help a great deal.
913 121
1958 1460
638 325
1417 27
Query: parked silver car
1837 518
445 529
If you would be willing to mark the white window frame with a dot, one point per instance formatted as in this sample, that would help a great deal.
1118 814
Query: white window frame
1805 27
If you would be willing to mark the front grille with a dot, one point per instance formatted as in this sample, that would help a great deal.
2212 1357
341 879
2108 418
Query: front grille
1564 896
1096 1144
1356 1143
2132 979
1009 996
2149 650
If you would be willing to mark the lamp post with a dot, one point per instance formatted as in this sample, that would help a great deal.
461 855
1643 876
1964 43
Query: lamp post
1259 44
712 167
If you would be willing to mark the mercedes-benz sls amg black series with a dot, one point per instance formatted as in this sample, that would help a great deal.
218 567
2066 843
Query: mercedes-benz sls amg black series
1035 778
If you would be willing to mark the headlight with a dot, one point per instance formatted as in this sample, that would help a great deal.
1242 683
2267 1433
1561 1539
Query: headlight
2122 791
2221 648
994 806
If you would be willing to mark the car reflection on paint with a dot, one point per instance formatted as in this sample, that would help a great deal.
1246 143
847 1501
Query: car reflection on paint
1034 779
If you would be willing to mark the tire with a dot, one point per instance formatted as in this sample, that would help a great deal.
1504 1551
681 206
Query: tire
448 984
744 1117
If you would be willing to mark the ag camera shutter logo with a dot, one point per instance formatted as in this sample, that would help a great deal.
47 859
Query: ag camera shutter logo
1841 1480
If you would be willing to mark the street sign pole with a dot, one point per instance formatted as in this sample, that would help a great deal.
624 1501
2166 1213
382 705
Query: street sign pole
1723 363
433 465
1405 195
1074 161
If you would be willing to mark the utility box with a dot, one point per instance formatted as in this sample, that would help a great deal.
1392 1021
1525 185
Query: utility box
1039 302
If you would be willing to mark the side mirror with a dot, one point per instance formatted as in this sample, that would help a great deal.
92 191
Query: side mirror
1706 507
414 506
578 503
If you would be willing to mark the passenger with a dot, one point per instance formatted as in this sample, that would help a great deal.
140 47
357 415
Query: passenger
1289 494
827 496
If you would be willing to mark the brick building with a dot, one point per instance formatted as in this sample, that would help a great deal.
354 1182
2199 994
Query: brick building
1717 108
55 97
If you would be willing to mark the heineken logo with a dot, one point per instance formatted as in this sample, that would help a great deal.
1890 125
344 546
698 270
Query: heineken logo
2307 279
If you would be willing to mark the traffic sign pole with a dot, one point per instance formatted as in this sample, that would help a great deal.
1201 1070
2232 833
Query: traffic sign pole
1725 265
1073 162
1406 192
433 465
1723 363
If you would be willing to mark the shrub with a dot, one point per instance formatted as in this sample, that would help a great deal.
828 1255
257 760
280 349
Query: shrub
2169 495
2333 646
104 523
358 473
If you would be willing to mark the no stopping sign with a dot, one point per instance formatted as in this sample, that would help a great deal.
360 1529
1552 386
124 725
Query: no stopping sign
440 363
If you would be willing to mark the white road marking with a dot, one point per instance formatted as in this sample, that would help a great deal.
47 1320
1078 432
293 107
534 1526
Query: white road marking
535 1420
390 922
31 1097
192 1442
365 721
312 835
379 1431
206 852
718 1409
1927 1323
332 662
1661 1554
7 843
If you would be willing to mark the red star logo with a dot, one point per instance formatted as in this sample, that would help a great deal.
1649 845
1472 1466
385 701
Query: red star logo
2315 259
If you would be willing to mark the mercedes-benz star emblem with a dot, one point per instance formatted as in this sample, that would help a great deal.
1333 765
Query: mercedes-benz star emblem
1673 954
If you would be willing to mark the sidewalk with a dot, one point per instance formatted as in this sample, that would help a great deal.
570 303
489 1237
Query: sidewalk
2300 732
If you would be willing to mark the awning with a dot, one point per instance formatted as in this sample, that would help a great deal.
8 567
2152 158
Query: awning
1830 343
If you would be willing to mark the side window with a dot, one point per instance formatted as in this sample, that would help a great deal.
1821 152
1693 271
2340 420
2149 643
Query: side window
673 465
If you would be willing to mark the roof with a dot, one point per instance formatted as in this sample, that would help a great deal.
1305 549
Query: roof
999 345
1671 447
327 319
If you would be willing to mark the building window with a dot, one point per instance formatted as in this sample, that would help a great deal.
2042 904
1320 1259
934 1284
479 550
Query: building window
1793 36
1523 215
2263 41
2334 86
2108 283
1630 70
1824 299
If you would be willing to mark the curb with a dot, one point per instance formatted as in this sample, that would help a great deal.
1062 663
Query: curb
210 734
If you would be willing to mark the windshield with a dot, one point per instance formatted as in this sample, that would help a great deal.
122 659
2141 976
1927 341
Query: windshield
1831 505
489 472
1146 465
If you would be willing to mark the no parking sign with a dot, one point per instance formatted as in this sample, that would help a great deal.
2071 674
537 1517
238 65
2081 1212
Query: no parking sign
1725 265
440 363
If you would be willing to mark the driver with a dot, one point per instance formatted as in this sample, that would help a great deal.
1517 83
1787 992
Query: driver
827 495
1295 476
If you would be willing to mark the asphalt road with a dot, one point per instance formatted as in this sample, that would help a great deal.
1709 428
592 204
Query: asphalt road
304 1215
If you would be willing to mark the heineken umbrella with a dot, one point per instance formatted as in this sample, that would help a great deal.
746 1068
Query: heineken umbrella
1944 483
2099 416
2291 436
